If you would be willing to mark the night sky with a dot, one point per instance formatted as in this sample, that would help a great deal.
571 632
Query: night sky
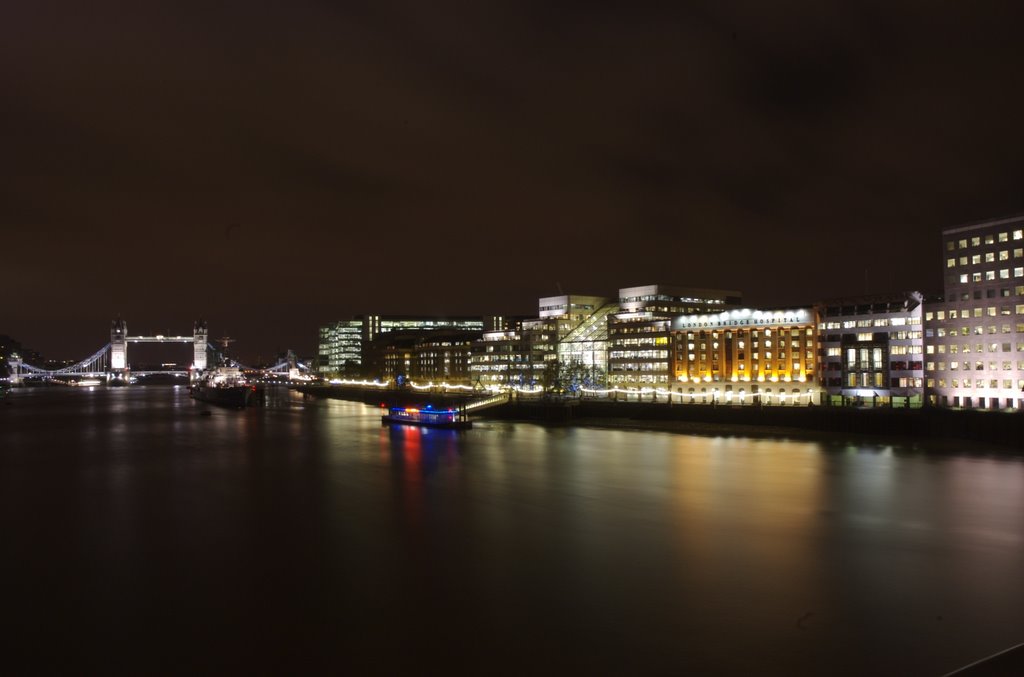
274 166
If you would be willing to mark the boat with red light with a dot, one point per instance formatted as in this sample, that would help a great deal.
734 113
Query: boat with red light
427 417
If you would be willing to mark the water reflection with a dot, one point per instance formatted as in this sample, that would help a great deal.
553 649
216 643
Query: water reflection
419 452
308 525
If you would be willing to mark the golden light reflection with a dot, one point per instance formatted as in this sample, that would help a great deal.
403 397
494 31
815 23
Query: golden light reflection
719 517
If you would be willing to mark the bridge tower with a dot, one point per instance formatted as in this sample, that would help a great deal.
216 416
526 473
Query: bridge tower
293 364
200 335
118 349
14 363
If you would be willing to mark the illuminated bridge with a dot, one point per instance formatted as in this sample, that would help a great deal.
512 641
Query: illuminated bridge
111 361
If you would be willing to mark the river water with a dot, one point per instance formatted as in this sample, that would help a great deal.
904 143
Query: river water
140 535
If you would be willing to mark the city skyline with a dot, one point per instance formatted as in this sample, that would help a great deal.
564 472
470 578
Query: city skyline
273 170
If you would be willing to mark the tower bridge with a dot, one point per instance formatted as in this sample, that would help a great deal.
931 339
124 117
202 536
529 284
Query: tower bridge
111 361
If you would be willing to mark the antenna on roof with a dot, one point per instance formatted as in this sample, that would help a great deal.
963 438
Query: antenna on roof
558 285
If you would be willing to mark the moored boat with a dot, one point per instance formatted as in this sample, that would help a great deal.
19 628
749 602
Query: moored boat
224 386
428 417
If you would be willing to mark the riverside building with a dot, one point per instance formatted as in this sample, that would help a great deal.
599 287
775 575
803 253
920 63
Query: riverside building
568 328
872 350
342 344
745 356
501 358
568 319
974 336
639 331
439 356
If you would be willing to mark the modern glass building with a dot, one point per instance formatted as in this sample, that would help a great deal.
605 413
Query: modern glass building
640 331
343 344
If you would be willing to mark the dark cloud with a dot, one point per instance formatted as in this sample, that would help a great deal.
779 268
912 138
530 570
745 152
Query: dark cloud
468 157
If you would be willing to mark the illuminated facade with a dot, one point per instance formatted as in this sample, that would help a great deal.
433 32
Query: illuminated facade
200 339
440 356
640 331
569 330
502 358
745 355
340 349
974 336
872 350
342 344
118 346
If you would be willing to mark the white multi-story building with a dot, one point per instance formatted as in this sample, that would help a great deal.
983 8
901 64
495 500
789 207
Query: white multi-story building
974 336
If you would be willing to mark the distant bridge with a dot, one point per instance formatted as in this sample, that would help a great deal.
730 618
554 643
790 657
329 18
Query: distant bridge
111 361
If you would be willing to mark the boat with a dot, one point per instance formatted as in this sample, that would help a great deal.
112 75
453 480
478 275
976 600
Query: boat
427 417
225 386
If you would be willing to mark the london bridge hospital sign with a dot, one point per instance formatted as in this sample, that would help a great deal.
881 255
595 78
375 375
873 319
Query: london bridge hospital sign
743 318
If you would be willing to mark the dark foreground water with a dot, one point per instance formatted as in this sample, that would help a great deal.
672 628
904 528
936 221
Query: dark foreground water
141 536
